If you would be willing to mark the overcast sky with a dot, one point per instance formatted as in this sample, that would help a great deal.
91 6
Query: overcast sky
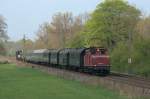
24 16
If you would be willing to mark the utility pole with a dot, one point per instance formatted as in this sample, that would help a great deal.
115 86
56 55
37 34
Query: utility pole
24 46
130 47
24 42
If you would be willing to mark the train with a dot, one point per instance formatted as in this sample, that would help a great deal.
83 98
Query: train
93 60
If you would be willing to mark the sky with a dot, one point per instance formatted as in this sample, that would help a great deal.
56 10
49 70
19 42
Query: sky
25 16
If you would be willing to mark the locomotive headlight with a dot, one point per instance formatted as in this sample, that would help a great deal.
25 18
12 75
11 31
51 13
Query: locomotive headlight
97 50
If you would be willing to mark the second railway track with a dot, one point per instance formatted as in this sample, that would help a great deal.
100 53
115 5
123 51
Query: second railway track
130 79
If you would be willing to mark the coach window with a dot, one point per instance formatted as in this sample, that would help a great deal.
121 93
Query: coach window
103 52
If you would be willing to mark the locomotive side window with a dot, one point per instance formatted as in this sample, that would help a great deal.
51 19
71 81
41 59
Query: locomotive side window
45 54
103 52
93 51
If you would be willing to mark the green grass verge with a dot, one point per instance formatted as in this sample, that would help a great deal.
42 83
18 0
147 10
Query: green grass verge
27 83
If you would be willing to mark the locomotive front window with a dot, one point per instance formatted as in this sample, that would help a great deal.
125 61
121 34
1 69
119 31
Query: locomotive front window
103 52
93 50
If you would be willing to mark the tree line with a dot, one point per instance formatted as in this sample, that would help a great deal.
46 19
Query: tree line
115 24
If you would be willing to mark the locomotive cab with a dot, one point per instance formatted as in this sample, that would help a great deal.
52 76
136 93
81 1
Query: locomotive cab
98 59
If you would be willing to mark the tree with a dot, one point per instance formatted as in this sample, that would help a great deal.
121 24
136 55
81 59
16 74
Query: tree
3 29
3 35
62 30
62 23
110 23
77 39
143 27
2 49
43 34
26 44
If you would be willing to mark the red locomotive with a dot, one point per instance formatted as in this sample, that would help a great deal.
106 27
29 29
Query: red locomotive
97 59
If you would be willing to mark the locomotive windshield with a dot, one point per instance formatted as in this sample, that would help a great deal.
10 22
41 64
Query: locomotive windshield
100 51
103 51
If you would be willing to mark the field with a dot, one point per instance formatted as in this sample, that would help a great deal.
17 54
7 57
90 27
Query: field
27 83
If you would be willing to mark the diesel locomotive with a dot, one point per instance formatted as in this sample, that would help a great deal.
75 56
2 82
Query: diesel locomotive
92 60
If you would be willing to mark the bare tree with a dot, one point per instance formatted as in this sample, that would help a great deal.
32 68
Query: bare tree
62 28
47 37
43 34
143 27
62 23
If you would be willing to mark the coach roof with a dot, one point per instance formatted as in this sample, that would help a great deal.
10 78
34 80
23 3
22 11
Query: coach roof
41 51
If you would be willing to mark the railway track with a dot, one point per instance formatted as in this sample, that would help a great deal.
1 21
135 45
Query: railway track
130 79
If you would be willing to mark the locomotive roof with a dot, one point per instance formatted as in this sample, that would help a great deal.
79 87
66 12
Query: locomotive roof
77 50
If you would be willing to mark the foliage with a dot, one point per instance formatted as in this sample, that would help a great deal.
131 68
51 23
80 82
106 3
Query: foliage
44 36
119 57
23 44
143 27
110 23
118 26
77 41
3 27
140 54
2 49
3 35
61 30
25 83
11 47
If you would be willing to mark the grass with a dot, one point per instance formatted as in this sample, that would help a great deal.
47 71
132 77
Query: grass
27 83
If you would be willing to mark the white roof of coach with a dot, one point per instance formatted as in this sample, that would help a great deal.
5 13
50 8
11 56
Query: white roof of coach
40 51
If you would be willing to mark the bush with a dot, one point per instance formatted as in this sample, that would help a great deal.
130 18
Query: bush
4 62
140 54
2 49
